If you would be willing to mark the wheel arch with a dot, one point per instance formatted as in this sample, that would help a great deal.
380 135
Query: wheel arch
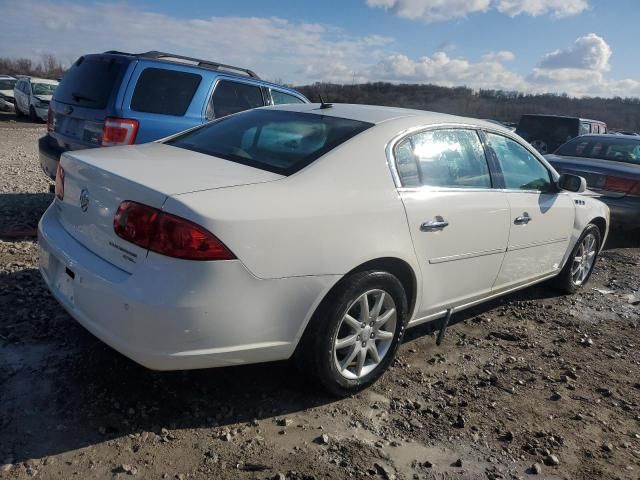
601 223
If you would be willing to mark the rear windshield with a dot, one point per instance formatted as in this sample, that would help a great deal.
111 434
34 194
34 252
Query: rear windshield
532 127
89 82
618 149
278 141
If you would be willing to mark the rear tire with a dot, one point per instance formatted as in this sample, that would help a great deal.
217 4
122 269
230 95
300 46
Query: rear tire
579 266
354 334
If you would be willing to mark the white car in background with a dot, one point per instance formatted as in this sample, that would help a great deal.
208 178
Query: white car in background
33 95
314 231
7 101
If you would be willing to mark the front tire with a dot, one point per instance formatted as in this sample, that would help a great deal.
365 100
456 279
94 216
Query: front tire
355 333
579 266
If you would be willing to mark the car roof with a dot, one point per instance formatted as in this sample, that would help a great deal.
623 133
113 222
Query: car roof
562 116
43 80
10 77
608 136
377 114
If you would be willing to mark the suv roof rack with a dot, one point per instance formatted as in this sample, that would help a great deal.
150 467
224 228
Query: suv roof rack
154 54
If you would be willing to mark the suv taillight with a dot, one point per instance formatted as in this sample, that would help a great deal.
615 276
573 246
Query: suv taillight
119 131
167 234
49 120
60 182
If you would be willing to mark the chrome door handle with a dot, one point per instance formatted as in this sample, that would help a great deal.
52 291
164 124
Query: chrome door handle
523 219
438 223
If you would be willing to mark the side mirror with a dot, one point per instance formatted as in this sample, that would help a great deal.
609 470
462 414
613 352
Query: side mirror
572 183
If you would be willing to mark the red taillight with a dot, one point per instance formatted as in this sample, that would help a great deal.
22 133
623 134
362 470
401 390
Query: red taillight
49 120
119 131
167 234
60 182
622 185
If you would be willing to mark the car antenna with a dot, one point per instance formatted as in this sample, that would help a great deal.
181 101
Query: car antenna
324 105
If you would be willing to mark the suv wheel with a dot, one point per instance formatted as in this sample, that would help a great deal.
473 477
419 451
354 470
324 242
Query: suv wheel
355 333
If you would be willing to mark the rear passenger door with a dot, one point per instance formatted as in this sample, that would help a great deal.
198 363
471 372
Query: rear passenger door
541 217
458 222
232 96
164 100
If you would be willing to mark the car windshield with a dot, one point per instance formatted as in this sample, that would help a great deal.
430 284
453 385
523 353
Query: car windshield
619 149
7 84
43 88
278 141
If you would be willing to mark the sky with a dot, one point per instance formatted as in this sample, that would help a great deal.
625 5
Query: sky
578 47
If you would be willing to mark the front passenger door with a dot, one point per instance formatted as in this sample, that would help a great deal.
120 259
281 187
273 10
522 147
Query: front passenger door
541 216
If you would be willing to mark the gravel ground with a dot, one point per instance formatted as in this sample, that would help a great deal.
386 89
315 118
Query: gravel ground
533 385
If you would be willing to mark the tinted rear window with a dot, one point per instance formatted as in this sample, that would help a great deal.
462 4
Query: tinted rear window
89 82
609 148
531 127
167 92
274 140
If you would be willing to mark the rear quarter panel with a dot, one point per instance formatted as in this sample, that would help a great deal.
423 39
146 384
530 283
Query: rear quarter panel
329 218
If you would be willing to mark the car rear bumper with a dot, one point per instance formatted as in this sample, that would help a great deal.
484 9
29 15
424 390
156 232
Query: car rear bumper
625 212
174 314
49 157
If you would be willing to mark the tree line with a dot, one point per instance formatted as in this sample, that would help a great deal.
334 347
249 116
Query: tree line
48 67
506 106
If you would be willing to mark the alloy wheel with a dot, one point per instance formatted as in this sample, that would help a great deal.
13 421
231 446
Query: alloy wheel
583 260
365 334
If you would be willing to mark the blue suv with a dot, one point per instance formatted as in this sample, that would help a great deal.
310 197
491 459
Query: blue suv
117 98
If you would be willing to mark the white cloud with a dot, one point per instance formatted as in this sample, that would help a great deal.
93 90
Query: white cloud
558 8
274 47
590 52
501 56
441 69
431 10
441 10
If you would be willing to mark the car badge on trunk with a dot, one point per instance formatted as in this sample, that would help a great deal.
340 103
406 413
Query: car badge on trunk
68 110
84 199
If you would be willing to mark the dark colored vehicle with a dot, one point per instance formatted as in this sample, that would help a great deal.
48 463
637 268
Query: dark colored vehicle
116 98
611 166
546 133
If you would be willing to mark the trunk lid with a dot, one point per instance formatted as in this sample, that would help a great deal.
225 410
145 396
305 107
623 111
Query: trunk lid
96 181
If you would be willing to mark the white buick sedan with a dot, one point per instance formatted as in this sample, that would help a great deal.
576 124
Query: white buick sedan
318 232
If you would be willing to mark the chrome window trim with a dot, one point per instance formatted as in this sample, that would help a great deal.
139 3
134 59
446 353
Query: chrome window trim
391 158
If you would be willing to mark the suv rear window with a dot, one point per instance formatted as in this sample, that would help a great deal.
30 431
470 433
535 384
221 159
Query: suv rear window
167 92
89 82
278 141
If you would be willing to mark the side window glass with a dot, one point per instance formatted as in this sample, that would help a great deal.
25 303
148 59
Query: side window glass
232 97
443 158
520 169
584 128
280 98
167 92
